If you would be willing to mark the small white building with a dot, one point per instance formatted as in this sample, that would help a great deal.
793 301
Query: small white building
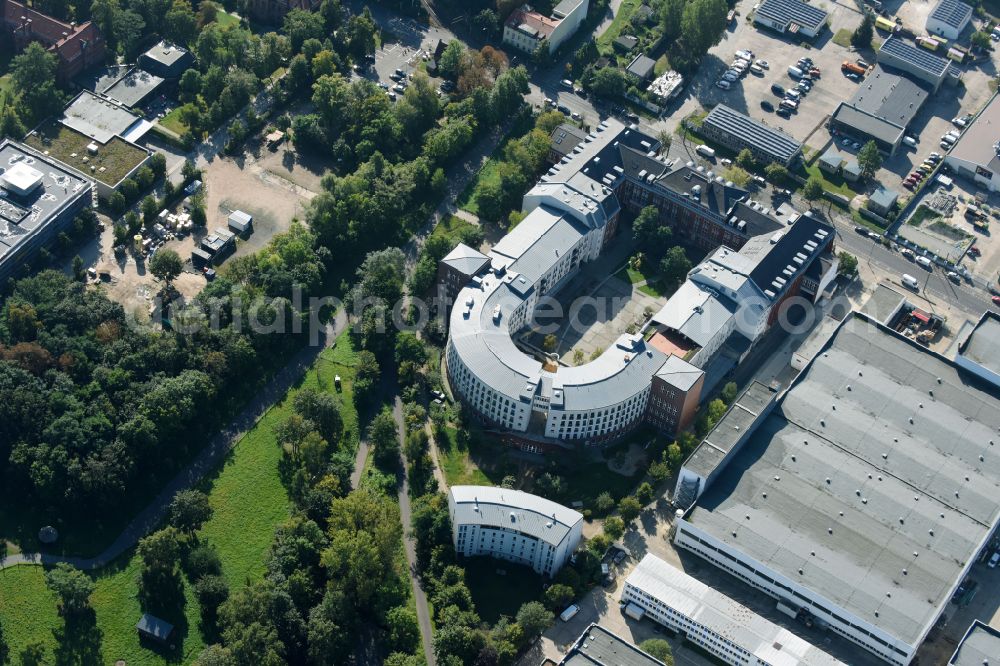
513 525
240 222
718 624
949 19
525 28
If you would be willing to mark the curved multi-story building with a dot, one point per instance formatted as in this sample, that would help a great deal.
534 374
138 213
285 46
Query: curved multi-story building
513 525
573 211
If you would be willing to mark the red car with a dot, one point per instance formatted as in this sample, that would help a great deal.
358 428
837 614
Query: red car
996 300
909 184
814 72
974 251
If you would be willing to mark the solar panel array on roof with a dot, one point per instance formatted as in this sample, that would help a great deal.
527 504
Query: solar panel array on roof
952 12
766 139
792 11
901 52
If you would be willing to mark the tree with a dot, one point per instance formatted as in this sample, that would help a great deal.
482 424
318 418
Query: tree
578 357
384 439
604 502
534 618
72 586
629 508
166 265
813 189
861 38
301 25
675 265
744 160
361 31
487 21
981 40
404 632
322 411
559 595
180 23
451 61
609 82
79 274
645 493
614 527
550 342
658 648
149 208
652 234
189 510
4 648
848 264
776 173
33 654
33 75
729 392
869 159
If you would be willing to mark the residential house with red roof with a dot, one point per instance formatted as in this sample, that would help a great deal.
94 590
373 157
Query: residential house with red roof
77 46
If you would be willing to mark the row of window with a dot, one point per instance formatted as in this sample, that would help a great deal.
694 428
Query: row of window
710 552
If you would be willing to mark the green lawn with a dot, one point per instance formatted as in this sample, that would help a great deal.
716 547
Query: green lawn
172 121
456 463
225 19
450 227
843 37
4 83
489 174
249 502
625 11
654 289
496 594
835 184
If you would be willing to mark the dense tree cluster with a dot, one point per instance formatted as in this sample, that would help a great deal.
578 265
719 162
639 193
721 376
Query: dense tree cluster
326 581
90 402
523 159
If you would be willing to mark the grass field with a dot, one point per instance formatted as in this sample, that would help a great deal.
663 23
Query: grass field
457 465
249 501
843 37
835 184
225 19
625 11
172 121
4 83
489 174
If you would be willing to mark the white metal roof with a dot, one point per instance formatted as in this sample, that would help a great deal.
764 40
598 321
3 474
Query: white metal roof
724 616
513 509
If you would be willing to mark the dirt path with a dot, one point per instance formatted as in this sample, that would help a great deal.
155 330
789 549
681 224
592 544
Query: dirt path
207 461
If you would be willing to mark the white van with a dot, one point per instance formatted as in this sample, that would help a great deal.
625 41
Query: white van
924 263
569 613
910 281
705 151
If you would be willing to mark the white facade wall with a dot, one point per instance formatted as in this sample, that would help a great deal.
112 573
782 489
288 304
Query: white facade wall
519 40
512 545
588 424
978 370
775 585
507 411
661 612
568 25
974 172
949 32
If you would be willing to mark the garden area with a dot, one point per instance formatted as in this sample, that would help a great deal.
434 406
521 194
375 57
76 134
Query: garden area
248 500
497 593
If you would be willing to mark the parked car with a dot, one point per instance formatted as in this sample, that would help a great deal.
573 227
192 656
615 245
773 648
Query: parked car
793 95
954 277
909 184
566 83
745 54
763 64
853 77
910 141
861 230
814 71
994 560
563 109
959 121
756 70
576 116
731 76
726 162
722 83
974 251
908 253
996 300
766 105
783 112
861 63
924 263
789 104
777 89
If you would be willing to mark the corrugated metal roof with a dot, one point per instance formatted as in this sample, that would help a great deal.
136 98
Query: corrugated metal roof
766 139
724 616
876 476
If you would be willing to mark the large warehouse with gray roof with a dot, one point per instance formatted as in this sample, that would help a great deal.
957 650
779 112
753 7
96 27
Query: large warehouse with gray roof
865 496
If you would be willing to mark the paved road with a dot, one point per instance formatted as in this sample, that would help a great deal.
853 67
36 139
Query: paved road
206 461
405 514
